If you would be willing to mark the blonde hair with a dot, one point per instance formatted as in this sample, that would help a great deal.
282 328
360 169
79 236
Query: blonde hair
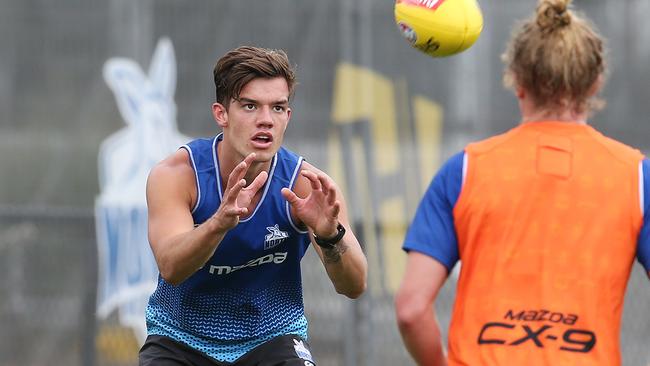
558 57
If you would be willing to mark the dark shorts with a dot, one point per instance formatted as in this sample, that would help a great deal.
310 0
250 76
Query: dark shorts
280 351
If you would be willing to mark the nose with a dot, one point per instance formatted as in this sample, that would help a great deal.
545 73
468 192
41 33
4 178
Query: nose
265 117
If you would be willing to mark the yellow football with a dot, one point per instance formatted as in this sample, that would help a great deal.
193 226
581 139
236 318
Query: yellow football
439 27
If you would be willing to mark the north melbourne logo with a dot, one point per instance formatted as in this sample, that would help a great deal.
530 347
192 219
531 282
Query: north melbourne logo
274 237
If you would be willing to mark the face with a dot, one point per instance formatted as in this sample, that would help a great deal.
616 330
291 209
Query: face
256 121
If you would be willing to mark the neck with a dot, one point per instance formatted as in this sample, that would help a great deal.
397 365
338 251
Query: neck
532 113
228 160
566 116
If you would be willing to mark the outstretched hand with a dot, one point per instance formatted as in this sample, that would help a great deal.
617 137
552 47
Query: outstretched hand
236 198
320 209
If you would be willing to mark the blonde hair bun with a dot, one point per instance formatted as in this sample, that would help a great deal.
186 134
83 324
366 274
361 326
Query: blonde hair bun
553 15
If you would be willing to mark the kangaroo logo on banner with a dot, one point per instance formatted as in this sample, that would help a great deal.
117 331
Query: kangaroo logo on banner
127 270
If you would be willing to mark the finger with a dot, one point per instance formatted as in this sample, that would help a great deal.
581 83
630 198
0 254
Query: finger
249 159
236 211
237 174
240 170
228 213
258 182
328 186
325 183
313 179
331 196
231 194
336 209
291 197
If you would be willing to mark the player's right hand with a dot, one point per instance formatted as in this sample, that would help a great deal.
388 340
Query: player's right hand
236 198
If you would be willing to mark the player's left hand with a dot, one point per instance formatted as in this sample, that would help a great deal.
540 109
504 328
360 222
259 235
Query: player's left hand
320 209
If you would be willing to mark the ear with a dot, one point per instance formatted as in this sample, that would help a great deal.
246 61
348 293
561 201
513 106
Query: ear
220 114
597 86
288 114
520 92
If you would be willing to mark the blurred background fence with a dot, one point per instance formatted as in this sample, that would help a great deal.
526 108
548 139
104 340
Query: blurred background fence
377 115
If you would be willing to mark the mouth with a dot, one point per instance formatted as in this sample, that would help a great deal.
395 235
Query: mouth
262 139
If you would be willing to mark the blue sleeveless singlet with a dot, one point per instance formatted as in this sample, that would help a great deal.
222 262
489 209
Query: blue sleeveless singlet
250 290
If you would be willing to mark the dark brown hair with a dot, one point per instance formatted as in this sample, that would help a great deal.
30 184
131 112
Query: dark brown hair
243 64
557 57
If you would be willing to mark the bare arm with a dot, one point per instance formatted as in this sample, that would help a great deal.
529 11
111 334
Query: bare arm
179 248
416 316
321 209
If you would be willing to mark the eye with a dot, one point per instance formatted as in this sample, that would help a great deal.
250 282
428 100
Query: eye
249 106
279 108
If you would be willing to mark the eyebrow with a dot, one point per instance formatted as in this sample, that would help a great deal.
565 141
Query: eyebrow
253 101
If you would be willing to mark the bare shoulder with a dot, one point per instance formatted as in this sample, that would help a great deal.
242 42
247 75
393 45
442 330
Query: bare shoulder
174 173
176 165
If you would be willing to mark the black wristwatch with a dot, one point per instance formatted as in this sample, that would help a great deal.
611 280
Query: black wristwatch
329 243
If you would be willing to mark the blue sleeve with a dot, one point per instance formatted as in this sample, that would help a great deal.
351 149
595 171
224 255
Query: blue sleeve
643 250
432 231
